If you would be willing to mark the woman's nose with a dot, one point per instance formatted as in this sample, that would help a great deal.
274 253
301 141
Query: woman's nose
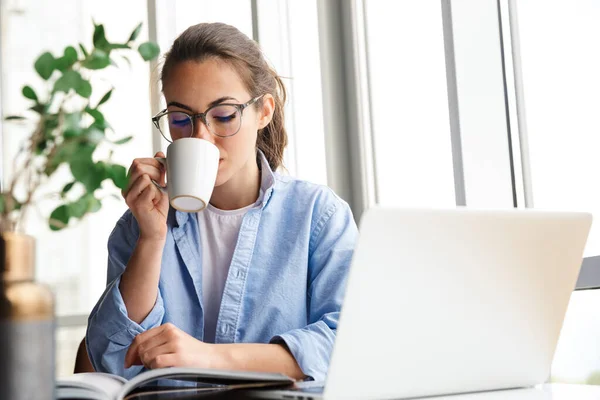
201 131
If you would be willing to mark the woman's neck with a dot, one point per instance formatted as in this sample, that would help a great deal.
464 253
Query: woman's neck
240 191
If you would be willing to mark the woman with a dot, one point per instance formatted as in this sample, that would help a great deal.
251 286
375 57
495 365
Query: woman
256 280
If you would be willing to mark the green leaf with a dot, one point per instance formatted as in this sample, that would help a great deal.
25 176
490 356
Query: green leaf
84 170
135 33
85 204
97 60
69 80
79 208
118 174
94 204
64 152
72 121
67 188
61 215
95 178
83 51
29 93
50 123
67 60
105 98
39 108
95 130
100 41
94 135
70 133
70 54
124 140
14 118
97 115
79 155
44 65
84 89
100 125
149 50
72 125
72 80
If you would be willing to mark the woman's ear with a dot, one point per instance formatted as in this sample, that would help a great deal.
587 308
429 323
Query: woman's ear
265 114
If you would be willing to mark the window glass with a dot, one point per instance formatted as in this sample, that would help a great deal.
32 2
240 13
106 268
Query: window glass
409 103
560 63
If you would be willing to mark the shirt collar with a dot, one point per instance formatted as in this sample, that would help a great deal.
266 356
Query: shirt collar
268 181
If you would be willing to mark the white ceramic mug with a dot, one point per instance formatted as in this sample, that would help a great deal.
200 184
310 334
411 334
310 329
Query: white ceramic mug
192 165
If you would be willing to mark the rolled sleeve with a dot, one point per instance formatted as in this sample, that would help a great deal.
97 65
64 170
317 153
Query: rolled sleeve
332 246
110 330
311 347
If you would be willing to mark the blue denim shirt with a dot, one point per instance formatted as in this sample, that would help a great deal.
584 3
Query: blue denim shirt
285 284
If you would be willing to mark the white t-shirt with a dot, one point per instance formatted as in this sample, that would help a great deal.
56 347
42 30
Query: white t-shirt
219 231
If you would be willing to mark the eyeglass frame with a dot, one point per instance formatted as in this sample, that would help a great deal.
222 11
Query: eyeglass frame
202 116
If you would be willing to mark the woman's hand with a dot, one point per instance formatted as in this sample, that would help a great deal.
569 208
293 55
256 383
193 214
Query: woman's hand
148 204
169 346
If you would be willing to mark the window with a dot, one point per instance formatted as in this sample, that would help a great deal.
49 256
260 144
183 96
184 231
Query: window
291 45
409 103
560 63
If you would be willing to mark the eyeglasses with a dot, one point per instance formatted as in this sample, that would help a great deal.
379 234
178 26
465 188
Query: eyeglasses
222 120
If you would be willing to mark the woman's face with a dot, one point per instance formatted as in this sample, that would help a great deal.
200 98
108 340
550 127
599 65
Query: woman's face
193 87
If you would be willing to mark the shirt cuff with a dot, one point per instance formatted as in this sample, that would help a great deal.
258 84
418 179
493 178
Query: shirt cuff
311 346
118 326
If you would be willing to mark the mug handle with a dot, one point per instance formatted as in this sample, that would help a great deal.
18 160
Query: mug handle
163 161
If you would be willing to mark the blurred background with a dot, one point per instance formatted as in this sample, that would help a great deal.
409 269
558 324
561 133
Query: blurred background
485 103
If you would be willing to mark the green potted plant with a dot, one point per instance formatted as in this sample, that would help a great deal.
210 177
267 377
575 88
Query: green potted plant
67 129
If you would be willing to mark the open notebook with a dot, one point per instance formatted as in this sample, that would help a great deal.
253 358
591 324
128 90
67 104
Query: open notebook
102 386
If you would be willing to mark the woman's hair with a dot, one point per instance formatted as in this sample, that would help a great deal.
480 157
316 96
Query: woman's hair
226 43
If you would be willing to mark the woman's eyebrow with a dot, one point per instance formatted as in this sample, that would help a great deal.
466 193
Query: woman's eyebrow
176 104
222 99
213 103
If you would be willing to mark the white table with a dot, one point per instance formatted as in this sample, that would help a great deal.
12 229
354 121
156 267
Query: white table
553 391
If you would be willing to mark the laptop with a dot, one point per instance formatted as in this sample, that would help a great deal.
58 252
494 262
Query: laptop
451 301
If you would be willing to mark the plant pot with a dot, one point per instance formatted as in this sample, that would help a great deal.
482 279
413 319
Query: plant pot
26 323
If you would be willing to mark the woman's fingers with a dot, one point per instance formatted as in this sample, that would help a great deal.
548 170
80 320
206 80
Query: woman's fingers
140 340
144 166
165 361
148 356
141 185
149 197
